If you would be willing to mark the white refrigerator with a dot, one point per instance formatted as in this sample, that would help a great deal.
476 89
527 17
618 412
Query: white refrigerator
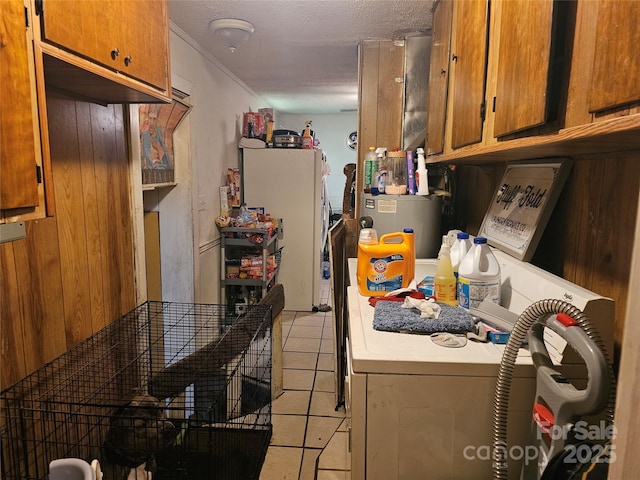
289 184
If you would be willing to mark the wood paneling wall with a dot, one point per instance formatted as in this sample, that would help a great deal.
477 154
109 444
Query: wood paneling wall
73 273
590 235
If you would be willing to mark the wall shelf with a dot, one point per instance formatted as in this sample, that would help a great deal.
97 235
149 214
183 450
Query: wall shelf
613 135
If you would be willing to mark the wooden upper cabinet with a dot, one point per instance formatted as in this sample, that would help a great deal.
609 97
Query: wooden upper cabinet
523 65
438 76
558 77
147 40
78 27
21 189
114 51
616 65
468 68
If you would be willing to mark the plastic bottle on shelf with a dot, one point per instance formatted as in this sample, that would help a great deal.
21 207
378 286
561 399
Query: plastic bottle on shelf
461 246
479 275
444 280
412 249
370 162
411 176
396 173
307 138
374 176
380 177
422 175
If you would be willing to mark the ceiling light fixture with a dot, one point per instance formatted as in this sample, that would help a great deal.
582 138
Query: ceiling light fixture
232 31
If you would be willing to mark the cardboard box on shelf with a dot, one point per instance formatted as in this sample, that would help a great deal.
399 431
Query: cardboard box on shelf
253 125
256 261
233 184
232 268
267 115
224 200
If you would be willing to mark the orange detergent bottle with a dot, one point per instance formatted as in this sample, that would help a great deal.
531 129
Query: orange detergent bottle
385 265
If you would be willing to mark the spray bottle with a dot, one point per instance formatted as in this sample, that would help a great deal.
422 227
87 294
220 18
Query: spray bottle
422 178
445 280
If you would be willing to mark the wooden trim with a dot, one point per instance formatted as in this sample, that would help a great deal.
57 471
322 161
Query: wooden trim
627 462
44 137
614 135
137 203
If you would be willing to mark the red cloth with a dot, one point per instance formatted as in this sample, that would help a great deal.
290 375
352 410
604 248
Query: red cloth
399 297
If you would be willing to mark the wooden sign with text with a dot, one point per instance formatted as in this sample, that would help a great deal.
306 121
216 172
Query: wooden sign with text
522 205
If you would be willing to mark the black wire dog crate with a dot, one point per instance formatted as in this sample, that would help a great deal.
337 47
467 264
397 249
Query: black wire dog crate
175 387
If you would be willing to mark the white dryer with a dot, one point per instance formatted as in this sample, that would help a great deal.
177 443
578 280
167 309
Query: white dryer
421 411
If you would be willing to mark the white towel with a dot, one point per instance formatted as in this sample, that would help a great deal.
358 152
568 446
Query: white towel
428 308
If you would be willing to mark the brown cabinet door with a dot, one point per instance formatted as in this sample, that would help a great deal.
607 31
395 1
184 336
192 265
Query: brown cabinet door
469 67
146 40
523 65
128 36
19 134
616 65
438 76
390 91
90 29
380 109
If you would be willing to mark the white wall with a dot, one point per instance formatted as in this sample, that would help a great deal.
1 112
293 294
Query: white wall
219 101
189 238
332 131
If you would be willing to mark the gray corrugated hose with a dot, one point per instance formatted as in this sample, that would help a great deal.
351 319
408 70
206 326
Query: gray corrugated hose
538 311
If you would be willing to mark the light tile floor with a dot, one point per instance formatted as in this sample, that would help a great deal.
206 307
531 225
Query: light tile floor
309 440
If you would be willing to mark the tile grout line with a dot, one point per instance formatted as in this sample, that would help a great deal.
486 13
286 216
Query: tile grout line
306 425
297 316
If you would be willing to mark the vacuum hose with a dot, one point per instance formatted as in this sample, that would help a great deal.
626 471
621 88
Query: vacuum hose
538 311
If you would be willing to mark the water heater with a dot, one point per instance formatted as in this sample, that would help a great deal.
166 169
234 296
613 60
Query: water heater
393 213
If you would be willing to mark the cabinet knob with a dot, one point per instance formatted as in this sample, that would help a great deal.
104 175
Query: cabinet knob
114 53
454 57
443 72
127 60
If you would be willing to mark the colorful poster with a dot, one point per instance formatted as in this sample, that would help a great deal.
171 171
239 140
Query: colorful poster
157 123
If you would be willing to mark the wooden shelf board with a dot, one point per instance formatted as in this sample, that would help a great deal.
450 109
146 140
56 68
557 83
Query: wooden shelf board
614 135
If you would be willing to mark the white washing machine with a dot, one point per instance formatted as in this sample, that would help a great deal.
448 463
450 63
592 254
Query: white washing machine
421 411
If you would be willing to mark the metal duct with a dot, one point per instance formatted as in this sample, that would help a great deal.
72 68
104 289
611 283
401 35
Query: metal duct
416 83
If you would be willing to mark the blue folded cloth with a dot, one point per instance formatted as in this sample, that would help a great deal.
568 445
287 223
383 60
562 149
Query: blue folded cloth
391 317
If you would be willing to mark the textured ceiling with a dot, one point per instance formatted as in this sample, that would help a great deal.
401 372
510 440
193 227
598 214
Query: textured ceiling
303 56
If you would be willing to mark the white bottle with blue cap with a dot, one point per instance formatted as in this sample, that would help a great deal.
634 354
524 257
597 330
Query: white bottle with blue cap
478 276
461 246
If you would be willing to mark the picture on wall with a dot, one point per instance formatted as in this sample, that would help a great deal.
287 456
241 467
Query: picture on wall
157 124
